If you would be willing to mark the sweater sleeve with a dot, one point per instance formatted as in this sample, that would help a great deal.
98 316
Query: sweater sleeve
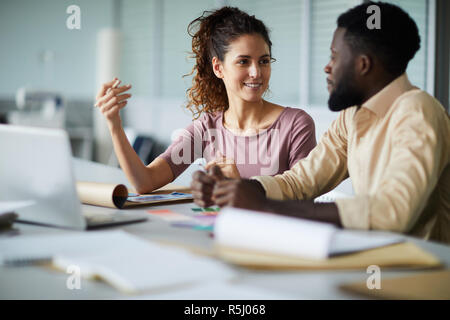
322 170
186 147
303 137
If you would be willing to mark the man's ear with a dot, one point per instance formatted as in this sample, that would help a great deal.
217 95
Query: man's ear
364 64
217 67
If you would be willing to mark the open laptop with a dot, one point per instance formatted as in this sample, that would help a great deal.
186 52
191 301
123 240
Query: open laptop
36 164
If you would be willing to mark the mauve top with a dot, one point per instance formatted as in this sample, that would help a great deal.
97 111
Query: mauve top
271 151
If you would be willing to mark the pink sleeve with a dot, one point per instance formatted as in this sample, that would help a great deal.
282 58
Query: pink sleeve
303 137
185 149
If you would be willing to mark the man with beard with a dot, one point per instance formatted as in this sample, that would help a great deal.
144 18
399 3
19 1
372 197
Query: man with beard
390 137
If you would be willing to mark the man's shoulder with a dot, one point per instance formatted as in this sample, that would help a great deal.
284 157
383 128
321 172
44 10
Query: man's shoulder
417 106
348 113
418 100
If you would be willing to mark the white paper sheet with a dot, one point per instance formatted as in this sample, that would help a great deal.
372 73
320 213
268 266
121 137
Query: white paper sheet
126 262
216 290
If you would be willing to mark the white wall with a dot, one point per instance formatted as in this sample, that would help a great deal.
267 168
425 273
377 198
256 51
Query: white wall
30 28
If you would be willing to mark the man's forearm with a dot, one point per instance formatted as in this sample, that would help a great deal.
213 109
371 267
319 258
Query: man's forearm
250 194
305 209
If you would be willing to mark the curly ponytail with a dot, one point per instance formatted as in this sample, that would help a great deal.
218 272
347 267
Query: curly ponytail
215 30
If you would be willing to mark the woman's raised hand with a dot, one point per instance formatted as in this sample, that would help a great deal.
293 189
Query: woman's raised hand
110 99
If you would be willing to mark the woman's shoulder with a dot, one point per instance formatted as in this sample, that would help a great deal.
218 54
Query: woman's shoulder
296 116
208 117
208 120
298 112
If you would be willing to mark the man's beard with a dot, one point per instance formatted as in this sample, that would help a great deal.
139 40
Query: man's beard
345 94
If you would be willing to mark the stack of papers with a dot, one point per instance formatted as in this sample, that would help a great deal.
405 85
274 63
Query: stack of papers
126 262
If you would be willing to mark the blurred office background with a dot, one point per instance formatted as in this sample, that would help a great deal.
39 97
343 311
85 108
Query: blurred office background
145 43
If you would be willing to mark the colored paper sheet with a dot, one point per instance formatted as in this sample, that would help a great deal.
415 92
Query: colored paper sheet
160 197
192 225
199 222
169 215
207 211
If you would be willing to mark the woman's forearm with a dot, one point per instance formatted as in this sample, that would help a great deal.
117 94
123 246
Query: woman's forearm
136 172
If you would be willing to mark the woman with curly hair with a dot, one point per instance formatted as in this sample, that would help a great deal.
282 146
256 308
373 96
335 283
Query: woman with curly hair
233 126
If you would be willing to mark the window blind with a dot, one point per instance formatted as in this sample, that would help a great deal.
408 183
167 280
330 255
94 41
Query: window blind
324 14
417 67
283 18
156 44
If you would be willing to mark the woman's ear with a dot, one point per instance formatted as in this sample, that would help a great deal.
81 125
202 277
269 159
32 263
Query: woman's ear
217 67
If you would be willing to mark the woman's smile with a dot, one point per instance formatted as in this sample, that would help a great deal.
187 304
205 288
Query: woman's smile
253 85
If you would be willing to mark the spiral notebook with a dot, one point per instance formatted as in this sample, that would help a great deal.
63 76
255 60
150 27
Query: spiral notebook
118 195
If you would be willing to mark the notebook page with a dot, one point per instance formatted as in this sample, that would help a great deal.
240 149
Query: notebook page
272 233
347 241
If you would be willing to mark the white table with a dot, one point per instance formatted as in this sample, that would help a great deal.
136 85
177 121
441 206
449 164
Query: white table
34 282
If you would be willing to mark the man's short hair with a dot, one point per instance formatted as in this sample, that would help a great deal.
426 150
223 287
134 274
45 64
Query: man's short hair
394 44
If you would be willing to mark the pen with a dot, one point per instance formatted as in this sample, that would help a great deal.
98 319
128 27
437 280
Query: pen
113 86
109 89
202 163
25 261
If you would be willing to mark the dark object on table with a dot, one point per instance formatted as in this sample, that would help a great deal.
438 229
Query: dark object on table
7 220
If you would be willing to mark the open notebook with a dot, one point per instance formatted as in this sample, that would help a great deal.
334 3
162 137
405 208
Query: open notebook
268 240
